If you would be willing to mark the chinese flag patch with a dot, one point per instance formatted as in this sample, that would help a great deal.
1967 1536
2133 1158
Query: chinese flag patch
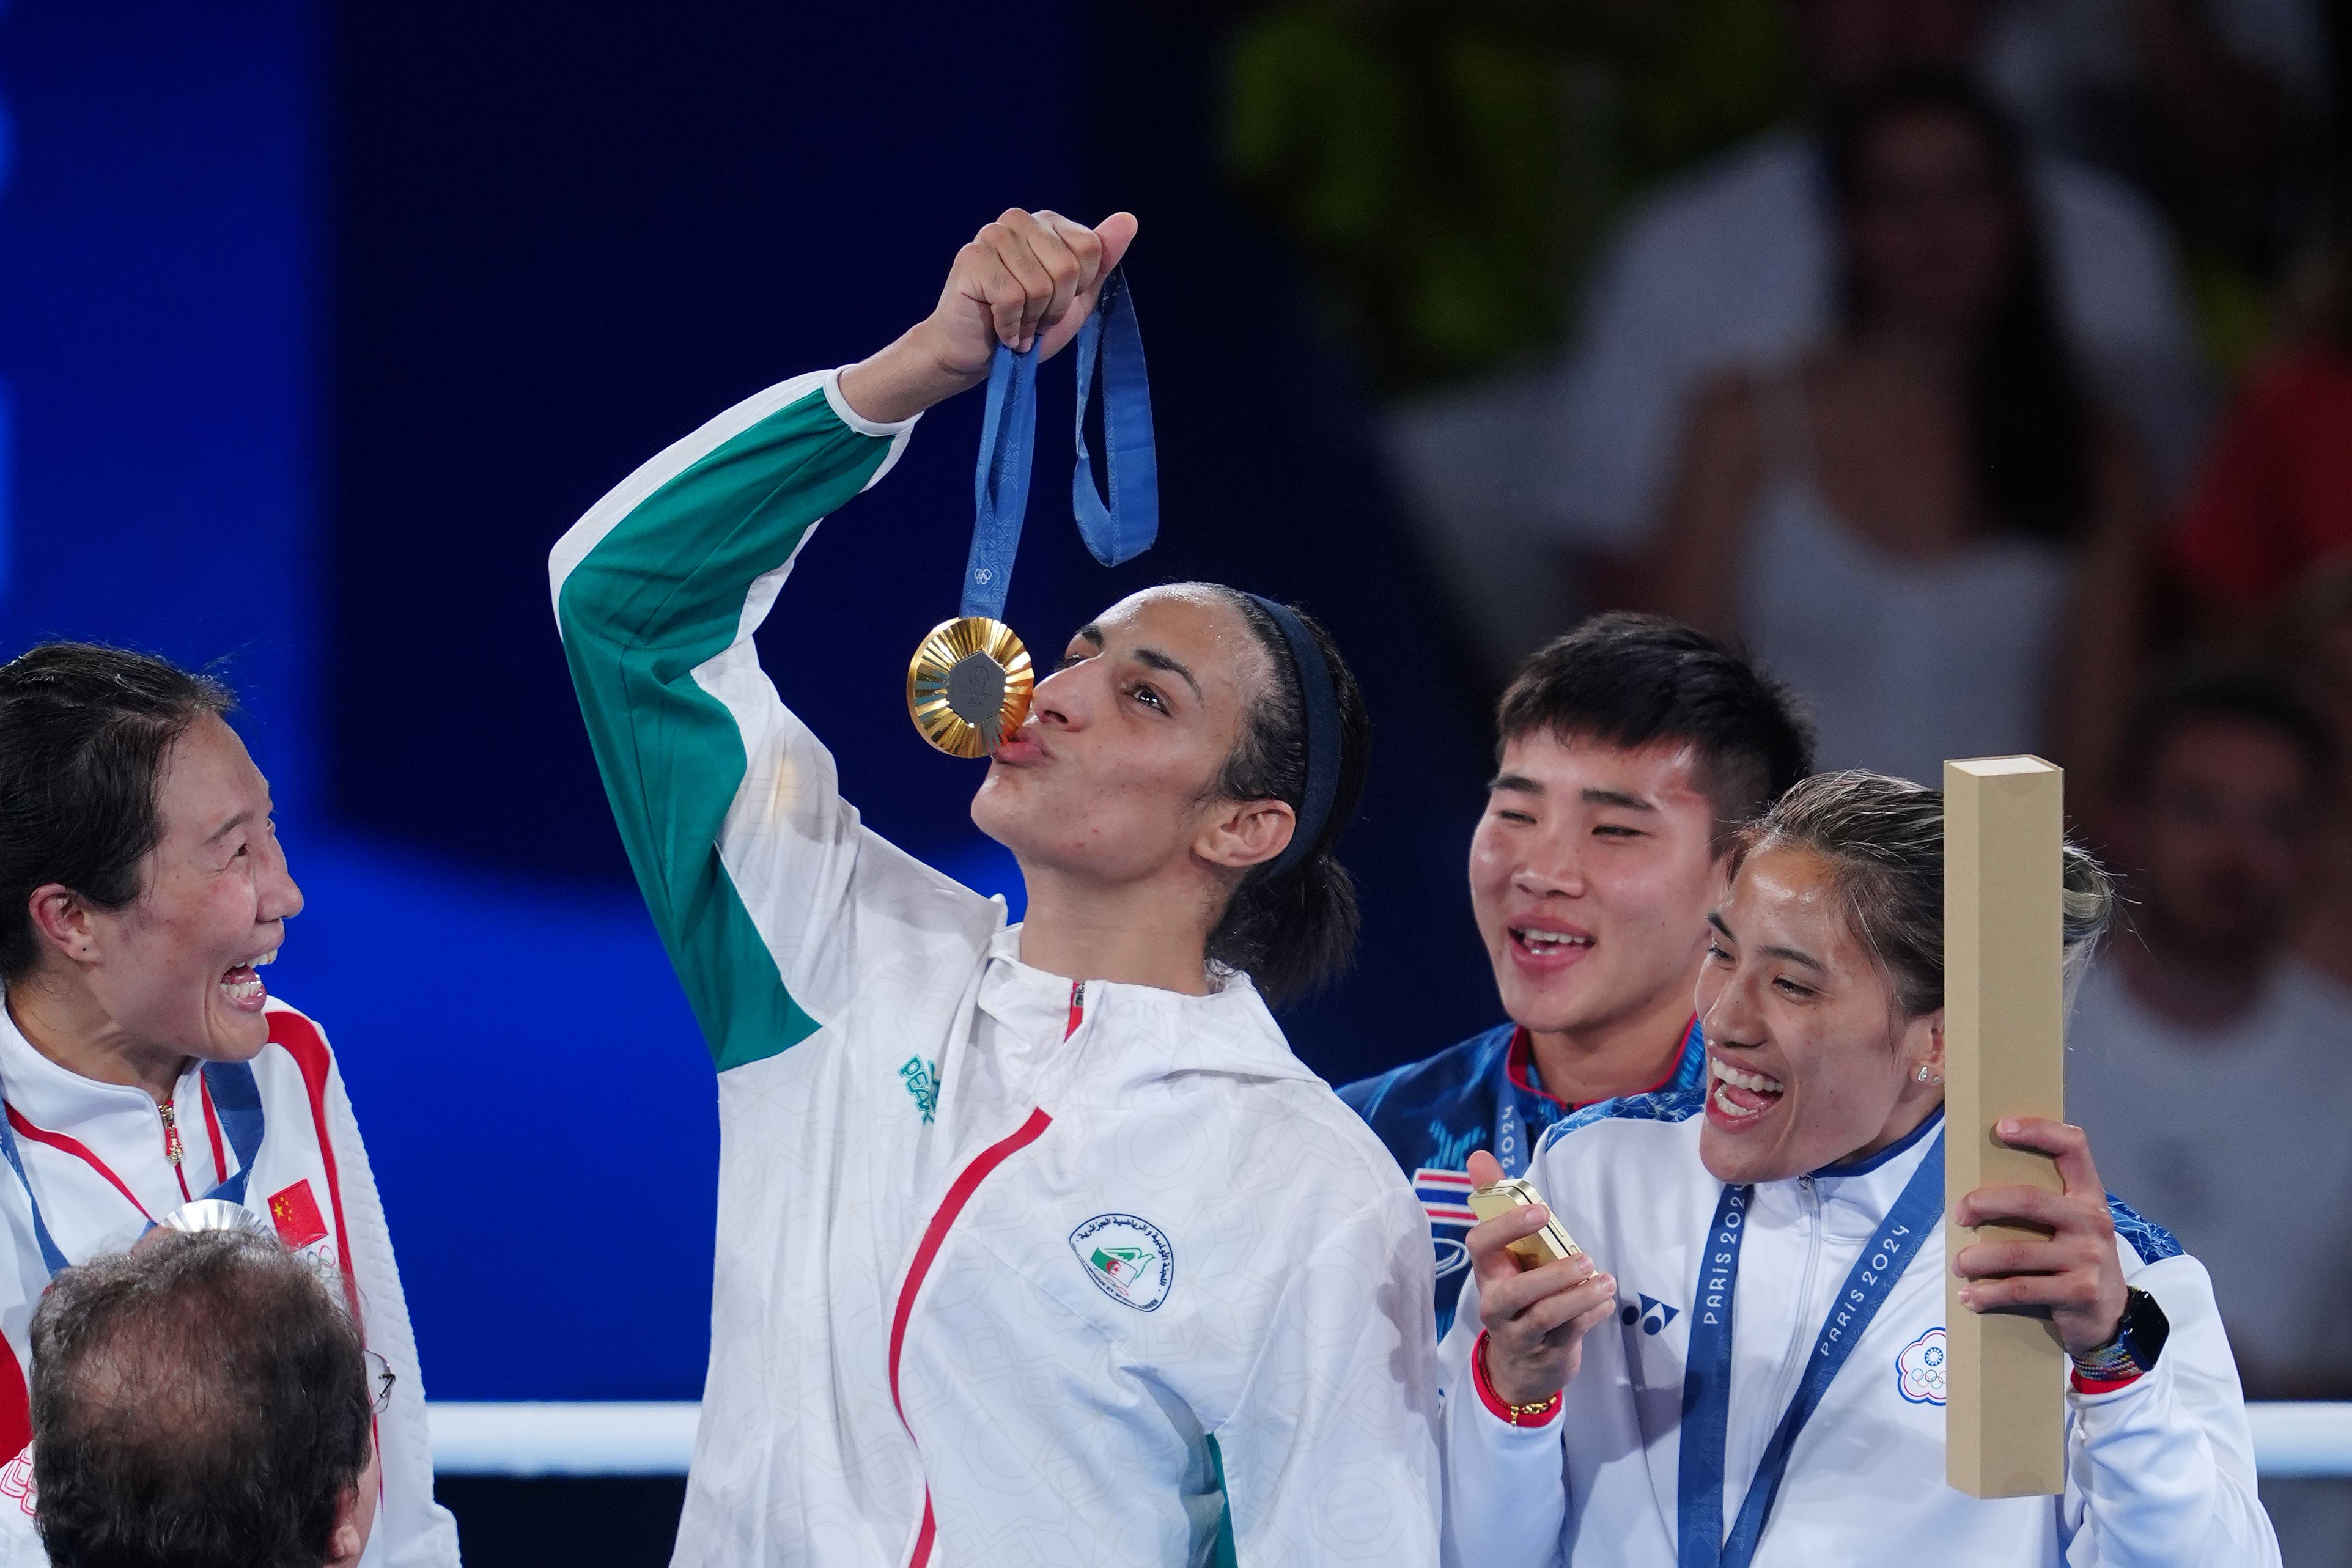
296 1214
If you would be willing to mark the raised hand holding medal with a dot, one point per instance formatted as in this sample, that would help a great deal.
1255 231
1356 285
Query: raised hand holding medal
1035 280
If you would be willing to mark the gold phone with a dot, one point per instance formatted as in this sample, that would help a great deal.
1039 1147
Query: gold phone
1549 1245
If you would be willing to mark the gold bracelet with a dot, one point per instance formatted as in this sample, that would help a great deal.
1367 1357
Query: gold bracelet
1532 1415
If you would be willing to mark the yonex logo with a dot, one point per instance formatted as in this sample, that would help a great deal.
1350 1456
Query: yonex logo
1652 1314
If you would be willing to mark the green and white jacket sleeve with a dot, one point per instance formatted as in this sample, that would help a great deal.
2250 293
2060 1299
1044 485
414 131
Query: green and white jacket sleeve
728 806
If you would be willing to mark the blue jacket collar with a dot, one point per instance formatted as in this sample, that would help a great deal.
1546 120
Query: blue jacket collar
1892 1151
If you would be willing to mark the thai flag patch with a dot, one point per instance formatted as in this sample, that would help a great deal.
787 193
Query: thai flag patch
1445 1198
1446 1194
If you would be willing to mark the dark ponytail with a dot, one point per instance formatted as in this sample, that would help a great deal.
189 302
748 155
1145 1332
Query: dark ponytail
1295 929
84 732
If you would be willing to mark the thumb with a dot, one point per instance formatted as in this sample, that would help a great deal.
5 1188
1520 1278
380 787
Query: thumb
1485 1170
1117 231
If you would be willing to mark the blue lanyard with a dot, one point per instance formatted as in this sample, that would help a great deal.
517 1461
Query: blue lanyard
1511 1151
237 1101
1706 1383
1514 1148
1116 528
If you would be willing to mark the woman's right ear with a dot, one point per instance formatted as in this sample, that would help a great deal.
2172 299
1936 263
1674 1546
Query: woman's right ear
1926 1056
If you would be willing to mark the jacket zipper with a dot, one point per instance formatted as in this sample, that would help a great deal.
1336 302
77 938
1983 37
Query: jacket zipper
1793 1359
170 1117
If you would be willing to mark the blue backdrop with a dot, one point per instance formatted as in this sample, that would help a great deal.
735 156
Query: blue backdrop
323 325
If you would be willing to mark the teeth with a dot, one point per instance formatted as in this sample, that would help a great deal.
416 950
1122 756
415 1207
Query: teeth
1552 939
268 957
1756 1082
1723 1103
242 991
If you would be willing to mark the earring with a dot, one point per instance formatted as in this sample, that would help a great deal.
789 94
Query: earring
1923 1074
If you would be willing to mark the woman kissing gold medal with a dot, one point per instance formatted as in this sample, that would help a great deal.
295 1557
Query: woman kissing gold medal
969 683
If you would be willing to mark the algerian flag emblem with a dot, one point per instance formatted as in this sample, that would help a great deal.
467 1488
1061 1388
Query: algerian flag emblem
1128 1258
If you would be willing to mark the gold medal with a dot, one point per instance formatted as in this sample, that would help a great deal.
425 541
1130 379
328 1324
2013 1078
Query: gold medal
968 686
968 683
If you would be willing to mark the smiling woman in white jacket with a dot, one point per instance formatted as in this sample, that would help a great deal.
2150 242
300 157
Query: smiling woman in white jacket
1699 1404
1035 1243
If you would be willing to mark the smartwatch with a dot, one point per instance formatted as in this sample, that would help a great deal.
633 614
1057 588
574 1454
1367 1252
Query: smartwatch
2138 1340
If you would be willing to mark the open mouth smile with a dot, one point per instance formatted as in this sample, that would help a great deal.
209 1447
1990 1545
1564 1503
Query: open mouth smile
1737 1096
1540 945
240 984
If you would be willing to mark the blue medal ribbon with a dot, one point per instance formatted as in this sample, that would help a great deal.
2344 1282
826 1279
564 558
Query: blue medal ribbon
1514 1148
1510 1135
236 1104
237 1101
1118 526
1707 1382
51 1258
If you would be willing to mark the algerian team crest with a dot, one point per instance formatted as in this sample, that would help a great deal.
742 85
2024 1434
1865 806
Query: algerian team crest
1128 1258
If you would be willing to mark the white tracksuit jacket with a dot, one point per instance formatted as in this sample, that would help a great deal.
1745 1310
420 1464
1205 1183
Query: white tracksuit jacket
310 1179
985 1294
2160 1473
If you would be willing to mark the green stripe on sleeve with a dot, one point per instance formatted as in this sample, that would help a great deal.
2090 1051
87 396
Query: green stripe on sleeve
1226 1555
661 594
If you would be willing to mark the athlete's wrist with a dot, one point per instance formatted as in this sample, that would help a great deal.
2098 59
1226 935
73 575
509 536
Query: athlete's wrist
1527 1411
2130 1349
903 379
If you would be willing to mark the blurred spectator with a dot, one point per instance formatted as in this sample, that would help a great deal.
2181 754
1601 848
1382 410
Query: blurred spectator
1447 171
1926 524
201 1401
2274 497
2207 1063
2210 106
2314 649
2164 91
1448 175
1736 266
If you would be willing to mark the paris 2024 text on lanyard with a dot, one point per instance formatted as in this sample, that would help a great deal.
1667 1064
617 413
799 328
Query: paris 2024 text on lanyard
1706 1383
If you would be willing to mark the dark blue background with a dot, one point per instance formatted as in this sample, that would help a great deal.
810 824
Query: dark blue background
322 325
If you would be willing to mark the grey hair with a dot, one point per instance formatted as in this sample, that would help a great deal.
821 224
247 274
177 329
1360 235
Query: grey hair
1883 841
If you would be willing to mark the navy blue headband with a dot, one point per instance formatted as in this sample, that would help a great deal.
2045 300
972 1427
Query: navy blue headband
1322 709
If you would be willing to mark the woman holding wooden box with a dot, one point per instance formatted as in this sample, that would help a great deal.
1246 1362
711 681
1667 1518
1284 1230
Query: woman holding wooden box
1759 1379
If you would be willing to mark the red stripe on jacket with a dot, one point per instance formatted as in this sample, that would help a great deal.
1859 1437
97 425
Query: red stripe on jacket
300 1040
934 1234
80 1151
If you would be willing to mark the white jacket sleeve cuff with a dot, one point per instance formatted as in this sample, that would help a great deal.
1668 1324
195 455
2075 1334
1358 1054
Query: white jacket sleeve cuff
856 420
1505 1485
2162 1468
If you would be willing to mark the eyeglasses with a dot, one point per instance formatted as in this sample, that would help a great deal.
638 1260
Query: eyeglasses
381 1377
